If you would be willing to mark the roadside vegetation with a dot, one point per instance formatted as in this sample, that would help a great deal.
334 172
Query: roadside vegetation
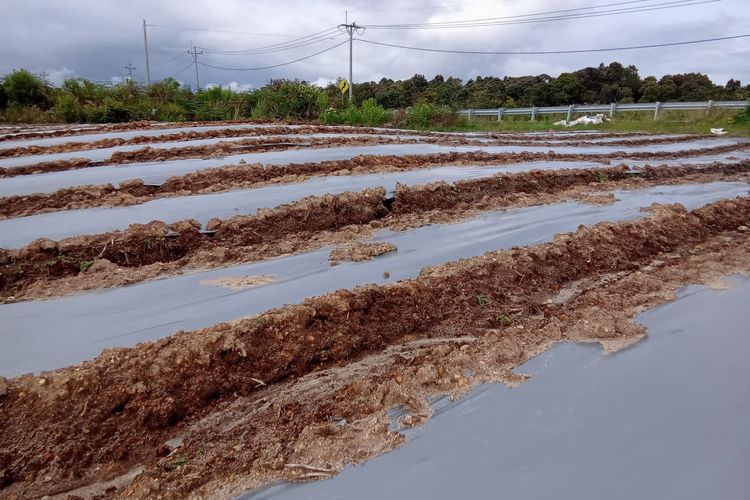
412 103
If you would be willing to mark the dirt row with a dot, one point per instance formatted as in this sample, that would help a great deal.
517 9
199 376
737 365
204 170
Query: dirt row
188 135
102 418
22 133
141 252
216 150
220 149
243 175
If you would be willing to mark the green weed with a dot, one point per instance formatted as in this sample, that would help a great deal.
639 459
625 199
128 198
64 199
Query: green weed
504 319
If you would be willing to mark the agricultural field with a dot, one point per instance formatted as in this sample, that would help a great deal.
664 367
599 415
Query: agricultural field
265 310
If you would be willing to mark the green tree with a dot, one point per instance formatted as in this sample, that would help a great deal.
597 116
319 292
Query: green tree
22 88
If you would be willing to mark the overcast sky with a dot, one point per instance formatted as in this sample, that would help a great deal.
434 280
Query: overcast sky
97 38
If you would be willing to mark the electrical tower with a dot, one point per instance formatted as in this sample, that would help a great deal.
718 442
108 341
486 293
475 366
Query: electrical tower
130 69
195 52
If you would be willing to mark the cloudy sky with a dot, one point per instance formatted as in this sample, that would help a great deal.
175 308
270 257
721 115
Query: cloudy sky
97 38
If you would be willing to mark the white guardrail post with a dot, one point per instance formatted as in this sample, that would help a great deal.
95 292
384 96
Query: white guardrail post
612 108
500 113
656 110
533 114
571 110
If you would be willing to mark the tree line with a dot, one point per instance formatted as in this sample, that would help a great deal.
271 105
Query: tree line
29 98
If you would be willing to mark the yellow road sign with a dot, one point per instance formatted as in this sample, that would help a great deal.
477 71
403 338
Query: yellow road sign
343 86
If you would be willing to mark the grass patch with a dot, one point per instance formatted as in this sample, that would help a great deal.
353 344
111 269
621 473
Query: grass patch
736 124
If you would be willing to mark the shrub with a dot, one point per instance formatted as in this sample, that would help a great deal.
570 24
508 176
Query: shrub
24 89
287 99
425 115
373 114
67 108
27 114
743 116
170 112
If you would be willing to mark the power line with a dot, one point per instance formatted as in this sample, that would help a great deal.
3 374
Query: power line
410 9
251 33
182 70
314 41
319 35
439 7
551 52
276 65
173 58
519 19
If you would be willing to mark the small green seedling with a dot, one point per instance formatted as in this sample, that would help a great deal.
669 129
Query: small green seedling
177 463
504 319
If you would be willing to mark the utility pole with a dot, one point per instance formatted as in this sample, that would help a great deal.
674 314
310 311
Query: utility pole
130 69
194 52
145 45
351 29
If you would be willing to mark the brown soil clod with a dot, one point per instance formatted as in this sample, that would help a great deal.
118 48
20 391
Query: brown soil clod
360 251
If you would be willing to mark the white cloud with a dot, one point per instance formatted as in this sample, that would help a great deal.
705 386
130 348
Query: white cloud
59 75
323 81
239 87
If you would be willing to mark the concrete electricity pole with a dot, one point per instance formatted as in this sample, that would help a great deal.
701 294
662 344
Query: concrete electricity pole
145 45
130 69
194 52
351 29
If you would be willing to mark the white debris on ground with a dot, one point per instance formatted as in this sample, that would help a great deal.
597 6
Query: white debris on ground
718 131
584 120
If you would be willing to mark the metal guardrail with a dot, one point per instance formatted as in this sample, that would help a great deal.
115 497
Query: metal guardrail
613 108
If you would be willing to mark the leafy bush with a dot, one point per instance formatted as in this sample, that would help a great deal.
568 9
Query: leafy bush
170 112
287 99
24 89
371 113
425 115
67 108
743 116
27 114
